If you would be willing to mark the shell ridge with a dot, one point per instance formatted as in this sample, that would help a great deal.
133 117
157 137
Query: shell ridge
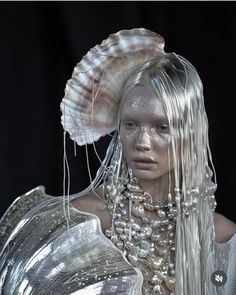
89 107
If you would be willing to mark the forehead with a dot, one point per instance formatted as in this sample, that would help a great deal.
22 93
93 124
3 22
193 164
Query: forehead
142 99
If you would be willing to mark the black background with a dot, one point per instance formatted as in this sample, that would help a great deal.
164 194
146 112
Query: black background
41 42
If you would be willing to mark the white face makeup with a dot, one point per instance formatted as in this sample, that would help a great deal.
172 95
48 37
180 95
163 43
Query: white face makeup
144 133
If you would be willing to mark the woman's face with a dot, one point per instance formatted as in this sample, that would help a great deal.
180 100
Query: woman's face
144 133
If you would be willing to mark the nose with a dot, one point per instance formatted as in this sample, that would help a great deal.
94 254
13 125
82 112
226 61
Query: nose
143 141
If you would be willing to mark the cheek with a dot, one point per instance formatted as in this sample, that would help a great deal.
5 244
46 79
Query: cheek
126 143
163 151
125 138
160 144
167 153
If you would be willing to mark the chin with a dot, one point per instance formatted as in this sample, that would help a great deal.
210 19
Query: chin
145 174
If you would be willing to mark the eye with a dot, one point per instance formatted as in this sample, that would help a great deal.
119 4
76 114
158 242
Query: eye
128 124
164 128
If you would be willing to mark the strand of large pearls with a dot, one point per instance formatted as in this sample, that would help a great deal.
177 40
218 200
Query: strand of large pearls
145 232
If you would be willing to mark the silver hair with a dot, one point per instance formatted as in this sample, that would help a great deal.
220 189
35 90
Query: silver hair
178 85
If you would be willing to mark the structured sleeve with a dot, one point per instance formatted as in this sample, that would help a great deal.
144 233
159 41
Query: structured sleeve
43 252
18 209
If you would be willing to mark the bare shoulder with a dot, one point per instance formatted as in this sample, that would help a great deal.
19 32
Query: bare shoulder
93 203
89 203
224 228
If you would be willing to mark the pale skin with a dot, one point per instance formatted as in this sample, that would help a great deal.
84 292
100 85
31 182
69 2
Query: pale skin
224 227
144 137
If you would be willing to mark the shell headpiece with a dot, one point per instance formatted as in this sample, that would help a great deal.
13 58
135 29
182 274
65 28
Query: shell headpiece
92 95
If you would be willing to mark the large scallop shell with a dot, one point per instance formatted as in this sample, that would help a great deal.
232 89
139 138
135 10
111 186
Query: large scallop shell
90 105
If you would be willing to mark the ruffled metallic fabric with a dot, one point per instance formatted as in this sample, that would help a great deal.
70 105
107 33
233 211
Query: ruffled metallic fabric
40 255
225 257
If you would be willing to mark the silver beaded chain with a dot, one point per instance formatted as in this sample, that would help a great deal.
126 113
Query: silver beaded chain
145 232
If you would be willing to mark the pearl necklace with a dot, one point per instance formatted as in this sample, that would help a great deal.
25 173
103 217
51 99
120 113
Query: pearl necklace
145 232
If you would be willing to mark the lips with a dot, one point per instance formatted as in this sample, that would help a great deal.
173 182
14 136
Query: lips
145 160
144 163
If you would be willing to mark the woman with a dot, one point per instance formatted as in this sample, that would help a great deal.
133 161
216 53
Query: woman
153 195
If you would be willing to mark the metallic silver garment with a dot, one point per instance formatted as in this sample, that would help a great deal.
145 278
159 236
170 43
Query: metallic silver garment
39 255
225 257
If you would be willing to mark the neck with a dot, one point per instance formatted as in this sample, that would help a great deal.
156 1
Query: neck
157 188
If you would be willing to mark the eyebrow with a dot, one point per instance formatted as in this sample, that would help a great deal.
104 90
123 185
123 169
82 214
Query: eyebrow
158 119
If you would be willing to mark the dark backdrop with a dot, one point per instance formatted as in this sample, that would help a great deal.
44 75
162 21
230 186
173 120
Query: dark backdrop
41 42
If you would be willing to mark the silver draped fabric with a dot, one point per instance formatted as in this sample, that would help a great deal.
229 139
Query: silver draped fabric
41 255
225 259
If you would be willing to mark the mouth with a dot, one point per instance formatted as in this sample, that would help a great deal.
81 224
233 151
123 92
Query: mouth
144 163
